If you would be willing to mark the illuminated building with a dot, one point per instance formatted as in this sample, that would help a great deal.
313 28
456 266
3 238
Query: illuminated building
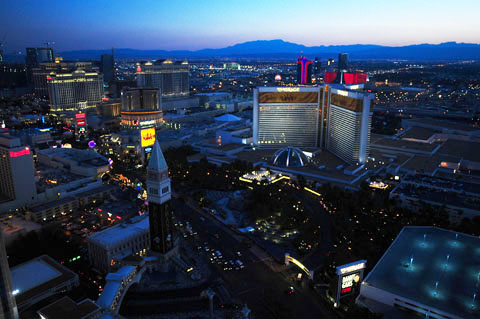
70 92
286 116
304 70
43 70
289 157
342 62
349 121
339 120
141 107
159 194
107 67
168 76
426 272
17 184
8 306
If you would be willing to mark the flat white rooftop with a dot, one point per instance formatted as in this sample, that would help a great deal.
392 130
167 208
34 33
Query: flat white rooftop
32 274
113 235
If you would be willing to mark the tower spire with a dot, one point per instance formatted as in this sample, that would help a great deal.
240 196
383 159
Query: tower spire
159 194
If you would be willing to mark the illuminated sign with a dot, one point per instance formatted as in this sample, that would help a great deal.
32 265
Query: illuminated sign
147 137
348 282
288 97
288 89
92 144
25 151
80 119
150 122
345 269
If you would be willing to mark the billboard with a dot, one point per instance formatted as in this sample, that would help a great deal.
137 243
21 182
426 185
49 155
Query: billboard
147 136
349 283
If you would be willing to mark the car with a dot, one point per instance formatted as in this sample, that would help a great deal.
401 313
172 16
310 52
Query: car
206 248
290 291
239 264
199 247
239 254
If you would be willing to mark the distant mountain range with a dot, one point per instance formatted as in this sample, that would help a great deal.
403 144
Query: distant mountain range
282 50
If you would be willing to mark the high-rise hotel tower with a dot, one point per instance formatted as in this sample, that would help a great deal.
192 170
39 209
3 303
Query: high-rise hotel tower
338 120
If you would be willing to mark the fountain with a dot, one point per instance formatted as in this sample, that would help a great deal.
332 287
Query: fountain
473 300
411 261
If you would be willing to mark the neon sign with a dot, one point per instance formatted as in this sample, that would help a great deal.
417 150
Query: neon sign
25 151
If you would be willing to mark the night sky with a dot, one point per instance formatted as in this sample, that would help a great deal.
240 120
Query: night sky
197 24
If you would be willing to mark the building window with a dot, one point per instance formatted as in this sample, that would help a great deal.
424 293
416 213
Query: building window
153 191
165 190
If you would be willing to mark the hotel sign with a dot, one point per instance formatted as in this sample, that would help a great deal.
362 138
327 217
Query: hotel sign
349 277
288 97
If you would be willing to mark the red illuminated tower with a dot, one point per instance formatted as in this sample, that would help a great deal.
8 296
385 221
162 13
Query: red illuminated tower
304 70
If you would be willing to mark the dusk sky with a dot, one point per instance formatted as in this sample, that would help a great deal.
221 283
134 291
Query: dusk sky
197 24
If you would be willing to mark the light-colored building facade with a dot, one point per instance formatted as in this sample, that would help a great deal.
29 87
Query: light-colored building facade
70 92
313 117
286 116
349 123
17 184
168 76
108 247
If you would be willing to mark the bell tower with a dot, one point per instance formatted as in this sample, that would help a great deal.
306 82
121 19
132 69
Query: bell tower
159 194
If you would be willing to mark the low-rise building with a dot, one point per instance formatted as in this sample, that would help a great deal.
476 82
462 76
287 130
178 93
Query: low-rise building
40 278
108 247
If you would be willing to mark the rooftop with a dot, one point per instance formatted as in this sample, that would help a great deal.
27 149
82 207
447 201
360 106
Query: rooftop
67 308
382 141
115 234
466 149
434 267
37 276
420 133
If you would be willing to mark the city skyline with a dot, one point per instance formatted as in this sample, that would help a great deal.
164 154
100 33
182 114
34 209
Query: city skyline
77 25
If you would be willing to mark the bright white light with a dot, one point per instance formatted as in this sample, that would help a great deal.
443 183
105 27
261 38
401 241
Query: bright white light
15 292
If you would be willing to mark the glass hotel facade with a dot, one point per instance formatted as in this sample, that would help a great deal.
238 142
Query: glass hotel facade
313 117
